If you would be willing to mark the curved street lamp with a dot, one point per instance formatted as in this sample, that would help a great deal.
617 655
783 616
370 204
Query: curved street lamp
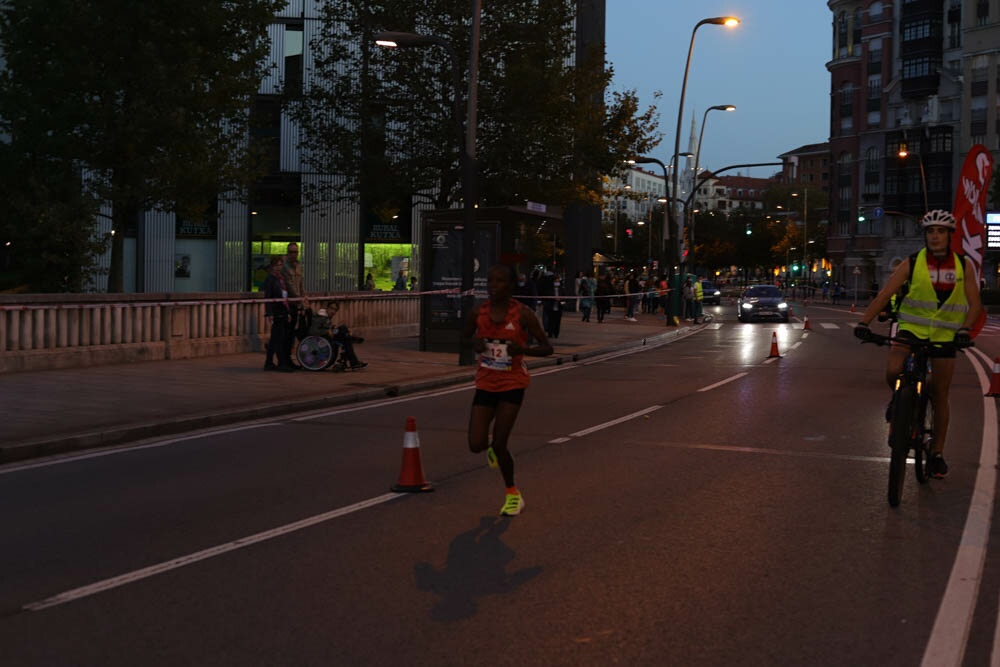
466 355
697 157
729 21
666 193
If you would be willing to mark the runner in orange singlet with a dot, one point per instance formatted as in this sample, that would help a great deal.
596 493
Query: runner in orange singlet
499 330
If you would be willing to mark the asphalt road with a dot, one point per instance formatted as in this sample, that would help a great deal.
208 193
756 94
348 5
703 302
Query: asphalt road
697 503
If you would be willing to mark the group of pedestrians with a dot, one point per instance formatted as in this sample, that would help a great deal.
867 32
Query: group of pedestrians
694 296
288 310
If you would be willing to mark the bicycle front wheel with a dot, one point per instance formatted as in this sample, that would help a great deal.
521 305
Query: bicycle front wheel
902 429
924 444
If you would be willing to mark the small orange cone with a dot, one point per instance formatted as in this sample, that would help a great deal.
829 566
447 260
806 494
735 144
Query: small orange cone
995 379
805 323
774 345
852 307
411 476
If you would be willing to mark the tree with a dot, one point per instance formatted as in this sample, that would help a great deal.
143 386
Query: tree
150 98
49 223
389 121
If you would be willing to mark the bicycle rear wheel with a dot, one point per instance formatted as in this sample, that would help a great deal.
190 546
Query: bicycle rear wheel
901 431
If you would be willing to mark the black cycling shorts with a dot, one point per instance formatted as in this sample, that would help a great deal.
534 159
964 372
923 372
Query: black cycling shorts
945 352
492 399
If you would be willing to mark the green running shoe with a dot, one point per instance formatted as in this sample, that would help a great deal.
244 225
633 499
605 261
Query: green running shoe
513 505
491 458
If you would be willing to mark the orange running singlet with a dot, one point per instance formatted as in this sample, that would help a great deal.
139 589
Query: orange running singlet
498 370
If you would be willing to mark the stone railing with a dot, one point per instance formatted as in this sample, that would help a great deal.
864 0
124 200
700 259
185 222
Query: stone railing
41 332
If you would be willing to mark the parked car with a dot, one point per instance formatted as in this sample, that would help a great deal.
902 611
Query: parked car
761 301
710 294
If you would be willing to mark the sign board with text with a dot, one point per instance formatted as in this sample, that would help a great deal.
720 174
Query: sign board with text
441 318
993 231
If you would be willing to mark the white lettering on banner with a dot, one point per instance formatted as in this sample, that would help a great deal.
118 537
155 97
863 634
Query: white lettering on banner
983 164
972 191
972 246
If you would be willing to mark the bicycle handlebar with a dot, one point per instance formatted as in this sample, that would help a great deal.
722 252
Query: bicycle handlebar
880 340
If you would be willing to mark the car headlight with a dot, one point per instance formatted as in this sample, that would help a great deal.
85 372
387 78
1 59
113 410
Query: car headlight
716 293
782 306
747 305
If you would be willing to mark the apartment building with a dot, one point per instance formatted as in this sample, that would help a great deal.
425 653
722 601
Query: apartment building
910 87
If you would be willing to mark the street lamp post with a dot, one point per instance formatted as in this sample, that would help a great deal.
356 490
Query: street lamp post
718 20
466 355
805 227
903 152
667 267
697 157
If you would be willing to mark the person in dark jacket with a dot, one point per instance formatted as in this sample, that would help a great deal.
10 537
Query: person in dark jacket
278 313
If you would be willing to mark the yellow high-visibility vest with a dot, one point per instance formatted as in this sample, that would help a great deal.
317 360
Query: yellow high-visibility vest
920 314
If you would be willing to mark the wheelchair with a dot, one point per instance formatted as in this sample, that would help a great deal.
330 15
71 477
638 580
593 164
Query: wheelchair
320 352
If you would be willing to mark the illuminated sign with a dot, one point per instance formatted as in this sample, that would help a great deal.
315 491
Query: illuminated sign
993 231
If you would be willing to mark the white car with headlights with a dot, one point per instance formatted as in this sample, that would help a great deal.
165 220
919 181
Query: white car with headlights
761 302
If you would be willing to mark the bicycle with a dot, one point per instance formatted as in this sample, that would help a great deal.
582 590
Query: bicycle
910 415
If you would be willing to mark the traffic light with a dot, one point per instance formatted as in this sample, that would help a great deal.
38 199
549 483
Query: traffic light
749 230
861 214
628 233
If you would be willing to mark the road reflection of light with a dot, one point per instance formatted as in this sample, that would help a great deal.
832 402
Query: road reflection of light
756 341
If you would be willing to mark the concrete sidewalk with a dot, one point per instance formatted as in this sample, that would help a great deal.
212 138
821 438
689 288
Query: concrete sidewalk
49 412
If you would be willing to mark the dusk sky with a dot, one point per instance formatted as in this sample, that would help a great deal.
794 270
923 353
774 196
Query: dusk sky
772 67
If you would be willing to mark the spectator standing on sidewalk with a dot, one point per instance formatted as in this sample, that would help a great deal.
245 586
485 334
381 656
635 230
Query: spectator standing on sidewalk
278 313
699 297
499 330
633 293
553 305
585 290
292 274
605 290
526 292
688 293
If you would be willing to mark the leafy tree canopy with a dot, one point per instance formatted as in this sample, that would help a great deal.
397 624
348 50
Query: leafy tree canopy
390 120
151 98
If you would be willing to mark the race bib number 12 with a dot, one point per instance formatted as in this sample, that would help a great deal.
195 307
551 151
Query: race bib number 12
496 356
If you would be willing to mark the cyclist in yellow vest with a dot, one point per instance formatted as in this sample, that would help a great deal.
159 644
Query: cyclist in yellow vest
942 303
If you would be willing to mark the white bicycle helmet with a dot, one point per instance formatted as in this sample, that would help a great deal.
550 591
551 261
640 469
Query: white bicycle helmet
938 218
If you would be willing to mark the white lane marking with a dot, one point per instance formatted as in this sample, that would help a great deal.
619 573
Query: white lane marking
613 422
120 449
722 382
950 633
160 568
774 452
829 325
559 441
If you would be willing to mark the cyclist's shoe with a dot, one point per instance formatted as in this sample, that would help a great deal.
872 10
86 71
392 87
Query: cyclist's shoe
936 467
491 458
512 505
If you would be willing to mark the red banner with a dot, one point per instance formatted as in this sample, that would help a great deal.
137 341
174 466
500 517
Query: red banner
970 213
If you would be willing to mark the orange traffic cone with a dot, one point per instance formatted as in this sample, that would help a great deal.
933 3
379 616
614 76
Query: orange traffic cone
852 307
774 345
805 323
411 476
995 379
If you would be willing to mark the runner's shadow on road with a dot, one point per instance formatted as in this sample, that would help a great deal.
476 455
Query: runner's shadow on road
476 567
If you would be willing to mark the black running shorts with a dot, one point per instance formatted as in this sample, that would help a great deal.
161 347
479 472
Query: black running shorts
493 398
